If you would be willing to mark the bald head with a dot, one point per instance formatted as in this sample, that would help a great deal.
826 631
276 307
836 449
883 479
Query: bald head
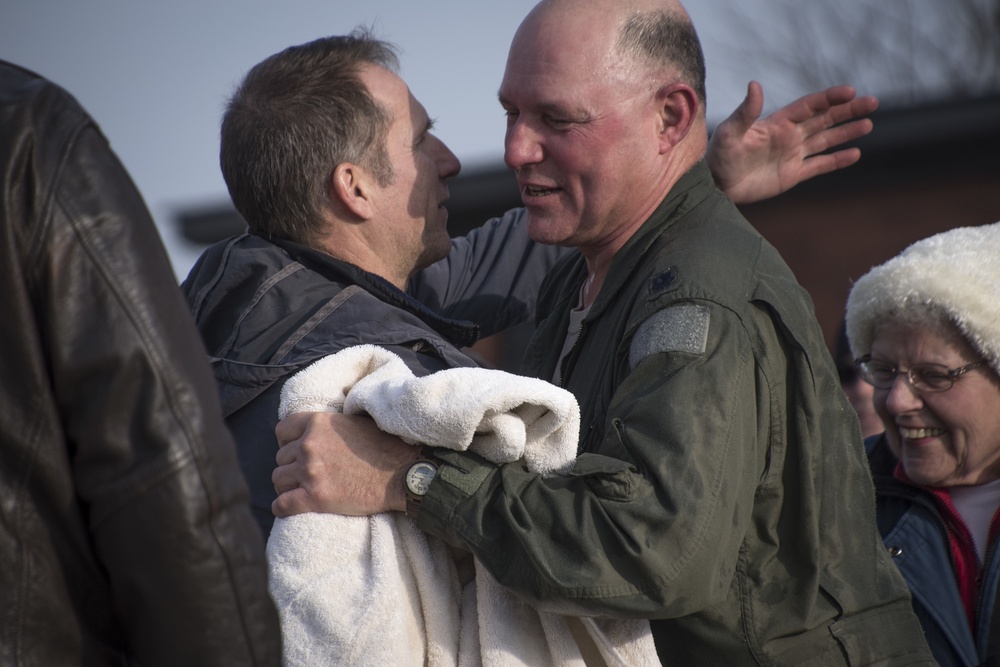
644 39
610 10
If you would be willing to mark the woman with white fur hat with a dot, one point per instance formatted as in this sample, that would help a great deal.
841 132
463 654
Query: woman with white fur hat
925 328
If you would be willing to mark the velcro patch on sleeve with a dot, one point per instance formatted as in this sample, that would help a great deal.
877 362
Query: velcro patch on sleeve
681 328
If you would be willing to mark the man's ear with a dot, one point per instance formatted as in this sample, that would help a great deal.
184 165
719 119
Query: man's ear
350 187
677 106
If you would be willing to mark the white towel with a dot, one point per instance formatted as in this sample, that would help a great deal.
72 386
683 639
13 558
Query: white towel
378 591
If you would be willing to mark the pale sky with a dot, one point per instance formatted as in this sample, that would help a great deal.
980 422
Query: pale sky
155 75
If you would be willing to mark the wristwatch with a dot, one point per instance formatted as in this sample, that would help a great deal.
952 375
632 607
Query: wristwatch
417 480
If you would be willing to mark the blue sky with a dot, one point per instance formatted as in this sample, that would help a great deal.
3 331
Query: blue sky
155 75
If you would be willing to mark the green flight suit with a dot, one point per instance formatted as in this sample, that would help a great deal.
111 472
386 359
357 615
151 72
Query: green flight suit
722 488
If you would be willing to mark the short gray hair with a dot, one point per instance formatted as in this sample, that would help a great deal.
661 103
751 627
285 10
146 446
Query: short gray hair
295 117
666 38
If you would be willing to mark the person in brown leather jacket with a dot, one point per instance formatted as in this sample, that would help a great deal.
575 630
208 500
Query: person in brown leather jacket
125 534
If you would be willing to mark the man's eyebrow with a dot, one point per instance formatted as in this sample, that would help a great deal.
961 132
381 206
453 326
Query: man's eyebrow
550 108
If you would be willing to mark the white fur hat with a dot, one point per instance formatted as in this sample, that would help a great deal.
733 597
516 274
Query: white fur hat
956 272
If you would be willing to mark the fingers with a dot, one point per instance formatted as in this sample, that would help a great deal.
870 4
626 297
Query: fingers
291 427
833 96
817 104
287 453
822 115
832 106
753 103
286 476
844 158
863 106
834 136
746 114
296 484
749 110
294 501
842 113
824 164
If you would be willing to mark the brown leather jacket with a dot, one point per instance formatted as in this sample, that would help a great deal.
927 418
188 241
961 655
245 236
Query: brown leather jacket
125 536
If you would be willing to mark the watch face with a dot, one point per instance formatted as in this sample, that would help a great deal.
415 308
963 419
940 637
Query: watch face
419 477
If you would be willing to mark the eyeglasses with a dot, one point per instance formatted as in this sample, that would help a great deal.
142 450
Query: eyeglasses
922 377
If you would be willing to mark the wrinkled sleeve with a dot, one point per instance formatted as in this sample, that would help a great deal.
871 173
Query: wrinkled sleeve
153 466
650 524
491 277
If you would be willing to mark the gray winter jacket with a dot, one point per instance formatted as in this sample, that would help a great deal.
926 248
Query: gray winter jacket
267 309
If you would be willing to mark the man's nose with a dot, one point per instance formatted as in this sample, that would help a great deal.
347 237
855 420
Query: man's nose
522 145
447 162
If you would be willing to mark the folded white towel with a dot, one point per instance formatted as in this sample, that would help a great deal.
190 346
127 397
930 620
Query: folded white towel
378 591
500 416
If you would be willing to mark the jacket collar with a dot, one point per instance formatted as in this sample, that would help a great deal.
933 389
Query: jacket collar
690 190
459 332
